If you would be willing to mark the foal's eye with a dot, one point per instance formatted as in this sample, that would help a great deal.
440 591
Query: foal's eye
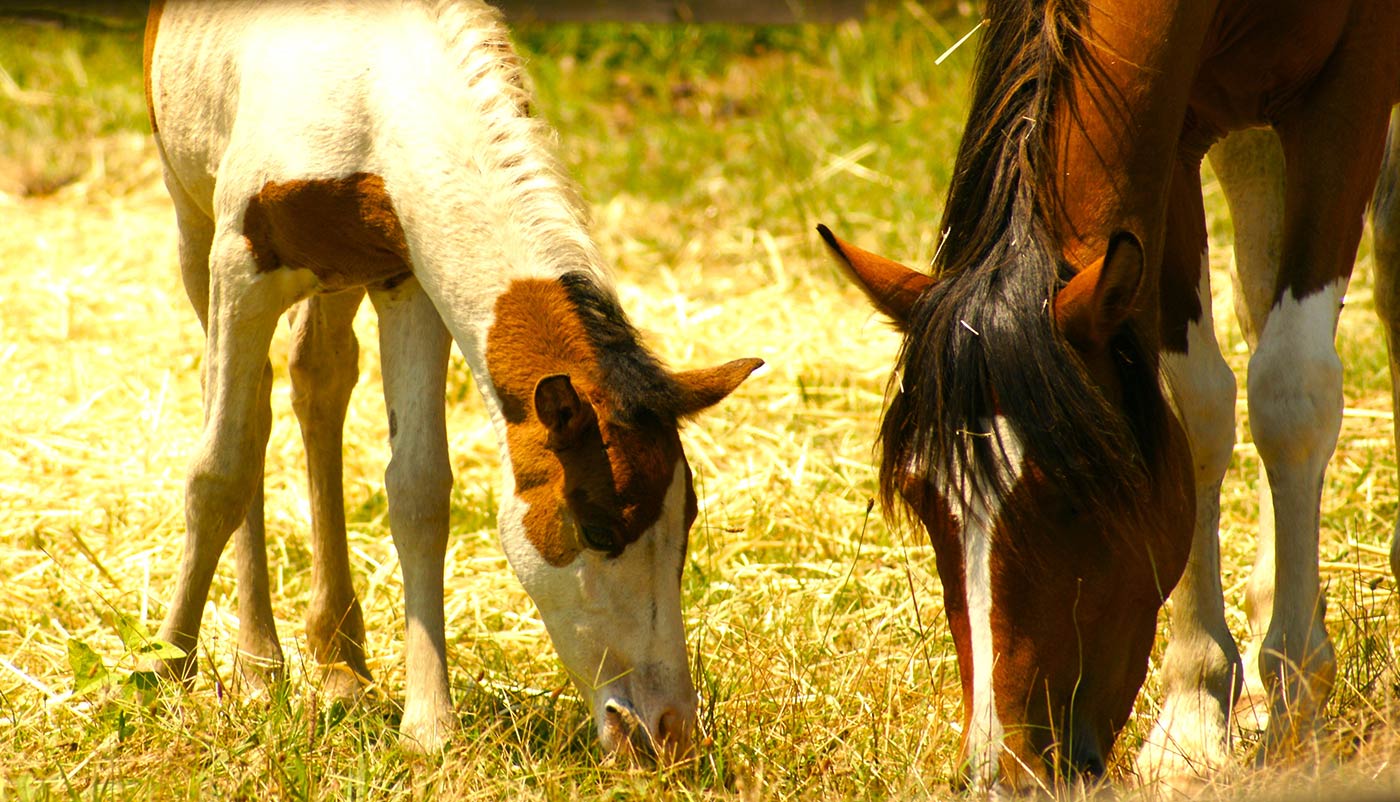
598 538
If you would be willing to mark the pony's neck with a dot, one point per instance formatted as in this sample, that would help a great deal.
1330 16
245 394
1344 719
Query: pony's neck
1117 132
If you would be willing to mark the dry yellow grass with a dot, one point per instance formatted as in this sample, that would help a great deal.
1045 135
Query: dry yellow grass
826 670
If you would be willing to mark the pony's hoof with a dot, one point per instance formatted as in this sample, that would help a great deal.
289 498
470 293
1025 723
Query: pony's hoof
1188 748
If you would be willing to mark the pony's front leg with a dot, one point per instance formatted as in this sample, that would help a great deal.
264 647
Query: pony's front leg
1295 376
1201 671
324 367
1385 231
243 310
413 350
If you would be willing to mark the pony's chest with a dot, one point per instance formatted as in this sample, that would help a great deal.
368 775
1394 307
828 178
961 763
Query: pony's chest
1261 55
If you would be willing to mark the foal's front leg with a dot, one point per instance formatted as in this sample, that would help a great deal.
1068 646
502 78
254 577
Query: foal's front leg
324 367
414 347
259 653
242 313
1250 167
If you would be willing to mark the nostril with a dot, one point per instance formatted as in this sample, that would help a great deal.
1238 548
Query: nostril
1092 766
673 730
669 725
621 716
1088 762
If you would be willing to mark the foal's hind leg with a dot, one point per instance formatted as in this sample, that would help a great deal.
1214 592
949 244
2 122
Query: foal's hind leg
413 350
1385 229
1201 669
260 653
324 366
243 310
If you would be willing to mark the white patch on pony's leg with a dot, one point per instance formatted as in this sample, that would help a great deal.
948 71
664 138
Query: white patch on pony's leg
413 350
1201 670
986 733
243 312
1385 232
1295 410
1250 167
324 366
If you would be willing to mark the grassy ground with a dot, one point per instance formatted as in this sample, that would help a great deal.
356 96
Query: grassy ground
708 154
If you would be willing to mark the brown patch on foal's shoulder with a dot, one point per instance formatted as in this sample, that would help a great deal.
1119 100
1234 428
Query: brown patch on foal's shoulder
344 230
617 477
148 49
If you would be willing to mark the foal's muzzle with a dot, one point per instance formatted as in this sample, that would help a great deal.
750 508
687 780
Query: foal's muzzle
666 738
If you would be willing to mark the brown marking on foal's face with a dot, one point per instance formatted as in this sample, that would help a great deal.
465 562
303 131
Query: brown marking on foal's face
148 49
344 230
604 487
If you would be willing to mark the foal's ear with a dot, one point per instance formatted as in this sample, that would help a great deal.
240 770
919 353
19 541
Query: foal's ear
705 387
891 286
1096 303
565 414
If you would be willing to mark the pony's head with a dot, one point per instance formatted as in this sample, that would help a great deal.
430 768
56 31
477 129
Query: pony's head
597 520
1027 432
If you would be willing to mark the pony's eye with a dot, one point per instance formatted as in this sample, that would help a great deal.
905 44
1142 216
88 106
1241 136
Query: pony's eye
598 538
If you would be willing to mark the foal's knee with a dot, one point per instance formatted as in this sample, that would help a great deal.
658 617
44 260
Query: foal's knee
419 485
218 493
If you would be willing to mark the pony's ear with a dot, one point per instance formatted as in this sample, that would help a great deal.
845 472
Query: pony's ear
565 414
891 286
705 387
1099 300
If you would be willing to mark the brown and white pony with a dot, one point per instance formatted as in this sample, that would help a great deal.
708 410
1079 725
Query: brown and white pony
1060 415
316 151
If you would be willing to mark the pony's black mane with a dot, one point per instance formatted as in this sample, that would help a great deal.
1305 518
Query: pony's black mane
982 341
640 389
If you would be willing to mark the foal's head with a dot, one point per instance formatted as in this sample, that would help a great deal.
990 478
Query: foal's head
598 521
1028 434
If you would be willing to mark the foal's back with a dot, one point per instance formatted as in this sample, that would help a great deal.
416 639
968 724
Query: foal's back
378 91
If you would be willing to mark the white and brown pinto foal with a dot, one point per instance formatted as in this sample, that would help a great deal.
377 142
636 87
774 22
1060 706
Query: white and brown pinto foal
316 151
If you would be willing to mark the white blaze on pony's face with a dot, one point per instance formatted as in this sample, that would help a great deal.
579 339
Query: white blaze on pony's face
1051 590
984 733
599 500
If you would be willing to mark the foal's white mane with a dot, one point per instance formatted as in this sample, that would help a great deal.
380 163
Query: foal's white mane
513 154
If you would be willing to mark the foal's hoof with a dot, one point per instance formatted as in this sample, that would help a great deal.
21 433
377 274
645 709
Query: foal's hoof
425 735
177 671
259 676
341 683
